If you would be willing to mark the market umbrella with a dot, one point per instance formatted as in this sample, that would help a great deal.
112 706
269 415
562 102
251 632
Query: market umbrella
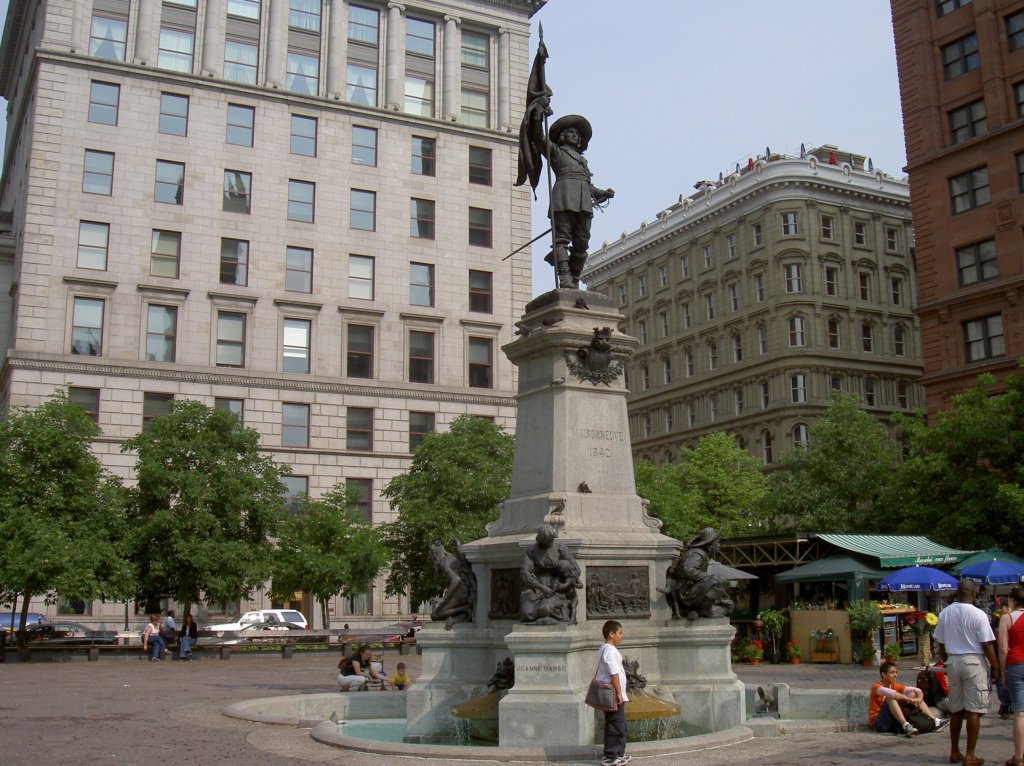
994 572
728 573
917 578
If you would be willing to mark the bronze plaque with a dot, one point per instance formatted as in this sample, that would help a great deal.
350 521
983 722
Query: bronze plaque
618 592
505 589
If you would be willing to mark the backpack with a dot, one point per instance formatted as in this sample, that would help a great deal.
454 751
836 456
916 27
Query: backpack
932 685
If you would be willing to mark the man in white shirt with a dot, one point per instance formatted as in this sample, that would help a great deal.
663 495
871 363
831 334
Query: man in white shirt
967 646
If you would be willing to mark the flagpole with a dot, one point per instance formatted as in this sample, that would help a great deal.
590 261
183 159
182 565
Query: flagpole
551 211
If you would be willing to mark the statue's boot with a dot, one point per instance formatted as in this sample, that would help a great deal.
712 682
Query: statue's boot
577 259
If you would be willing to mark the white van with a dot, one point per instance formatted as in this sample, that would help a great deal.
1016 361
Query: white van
262 617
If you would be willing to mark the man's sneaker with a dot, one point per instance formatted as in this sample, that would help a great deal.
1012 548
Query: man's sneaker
622 760
941 723
909 730
608 761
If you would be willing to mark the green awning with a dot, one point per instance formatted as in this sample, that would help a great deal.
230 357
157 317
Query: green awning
830 569
897 550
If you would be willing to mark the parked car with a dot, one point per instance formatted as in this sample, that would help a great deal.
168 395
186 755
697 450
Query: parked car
261 616
7 620
70 634
271 632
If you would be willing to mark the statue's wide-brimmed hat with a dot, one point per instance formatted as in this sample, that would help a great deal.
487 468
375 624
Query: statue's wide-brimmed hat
704 538
582 124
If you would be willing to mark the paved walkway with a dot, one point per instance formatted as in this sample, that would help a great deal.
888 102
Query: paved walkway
125 711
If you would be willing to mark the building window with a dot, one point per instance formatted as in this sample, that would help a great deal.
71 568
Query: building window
764 394
737 348
240 125
860 233
424 154
730 246
481 291
641 285
709 306
93 240
793 277
691 415
948 6
737 397
684 311
237 192
864 285
298 269
688 357
303 73
892 239
969 190
421 357
364 146
161 331
663 276
827 224
899 340
481 363
294 425
645 377
363 25
684 265
796 332
869 392
475 107
801 436
759 288
295 347
98 172
155 406
359 429
896 288
304 14
709 255
301 200
240 61
419 37
420 424
364 502
103 102
713 406
170 182
173 114
421 284
480 226
88 399
107 38
361 85
835 382
756 234
666 370
669 422
960 56
165 254
712 355
1018 98
798 388
293 489
734 296
363 212
833 333
419 96
645 422
234 262
867 337
789 227
762 339
479 166
984 338
87 327
303 138
831 280
359 351
360 277
622 295
767 448
176 46
977 262
1015 31
663 324
903 395
230 339
967 121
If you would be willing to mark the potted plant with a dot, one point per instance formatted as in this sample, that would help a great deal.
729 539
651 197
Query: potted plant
774 621
865 653
793 652
865 618
892 651
755 651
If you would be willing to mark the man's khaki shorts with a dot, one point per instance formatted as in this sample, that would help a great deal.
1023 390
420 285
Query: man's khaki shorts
968 676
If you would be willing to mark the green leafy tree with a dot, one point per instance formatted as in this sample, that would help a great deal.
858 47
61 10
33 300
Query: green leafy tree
62 518
205 506
835 483
450 492
962 480
326 549
714 484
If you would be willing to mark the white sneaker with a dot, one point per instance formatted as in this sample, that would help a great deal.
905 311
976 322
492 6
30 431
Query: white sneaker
941 723
622 760
909 730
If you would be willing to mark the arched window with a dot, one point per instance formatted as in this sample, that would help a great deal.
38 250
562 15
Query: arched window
801 435
767 452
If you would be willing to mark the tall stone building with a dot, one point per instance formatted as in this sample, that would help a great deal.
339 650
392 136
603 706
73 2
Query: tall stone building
757 296
961 71
295 210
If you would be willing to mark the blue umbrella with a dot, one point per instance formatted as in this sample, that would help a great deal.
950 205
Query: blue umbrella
917 578
994 572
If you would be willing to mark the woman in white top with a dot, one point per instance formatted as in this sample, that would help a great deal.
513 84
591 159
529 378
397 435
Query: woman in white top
611 671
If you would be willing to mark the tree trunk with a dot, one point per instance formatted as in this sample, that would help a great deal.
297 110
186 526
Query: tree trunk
323 613
22 635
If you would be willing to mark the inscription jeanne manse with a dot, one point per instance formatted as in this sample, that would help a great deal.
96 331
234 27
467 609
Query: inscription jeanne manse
540 668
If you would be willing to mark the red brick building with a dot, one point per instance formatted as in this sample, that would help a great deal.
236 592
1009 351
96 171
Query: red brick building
961 72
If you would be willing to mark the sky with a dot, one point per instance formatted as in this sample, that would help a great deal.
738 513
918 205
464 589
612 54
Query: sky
680 90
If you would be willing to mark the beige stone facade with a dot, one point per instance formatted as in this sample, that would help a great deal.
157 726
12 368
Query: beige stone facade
295 210
757 296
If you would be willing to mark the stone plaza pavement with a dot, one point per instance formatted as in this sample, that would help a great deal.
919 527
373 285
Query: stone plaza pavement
126 711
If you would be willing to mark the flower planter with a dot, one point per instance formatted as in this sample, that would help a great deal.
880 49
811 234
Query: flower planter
755 662
794 660
866 663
